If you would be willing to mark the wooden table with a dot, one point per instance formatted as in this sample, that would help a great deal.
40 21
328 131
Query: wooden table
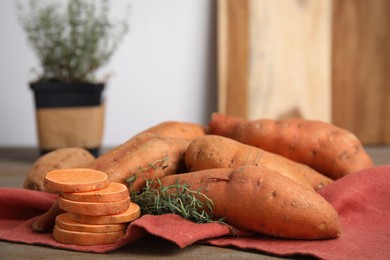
14 165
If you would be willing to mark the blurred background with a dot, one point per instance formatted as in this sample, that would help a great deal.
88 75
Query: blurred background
164 69
181 60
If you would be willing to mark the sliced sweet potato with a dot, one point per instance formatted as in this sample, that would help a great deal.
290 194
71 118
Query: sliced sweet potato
63 221
114 192
75 180
94 208
133 212
85 238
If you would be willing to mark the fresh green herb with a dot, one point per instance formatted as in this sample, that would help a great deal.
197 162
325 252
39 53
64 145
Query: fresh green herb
71 41
176 198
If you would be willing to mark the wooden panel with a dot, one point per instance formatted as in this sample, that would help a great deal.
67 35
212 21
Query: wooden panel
233 41
275 62
290 59
360 68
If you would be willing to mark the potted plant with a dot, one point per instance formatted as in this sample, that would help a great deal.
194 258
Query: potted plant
72 41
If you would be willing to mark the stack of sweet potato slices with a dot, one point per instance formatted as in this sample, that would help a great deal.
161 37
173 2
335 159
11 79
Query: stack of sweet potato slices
97 211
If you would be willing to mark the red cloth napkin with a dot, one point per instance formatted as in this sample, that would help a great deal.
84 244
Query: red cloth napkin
362 200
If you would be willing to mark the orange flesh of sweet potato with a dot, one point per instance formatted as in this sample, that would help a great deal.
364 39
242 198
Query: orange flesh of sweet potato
85 238
94 208
63 221
257 199
133 212
114 192
213 151
75 180
332 151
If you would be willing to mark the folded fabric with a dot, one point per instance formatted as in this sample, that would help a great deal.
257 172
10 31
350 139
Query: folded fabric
362 200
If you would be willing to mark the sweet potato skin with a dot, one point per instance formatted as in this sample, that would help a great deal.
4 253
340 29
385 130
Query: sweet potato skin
140 151
257 199
332 151
213 151
177 129
45 222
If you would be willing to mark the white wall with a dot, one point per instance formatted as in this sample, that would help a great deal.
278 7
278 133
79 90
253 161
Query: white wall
165 69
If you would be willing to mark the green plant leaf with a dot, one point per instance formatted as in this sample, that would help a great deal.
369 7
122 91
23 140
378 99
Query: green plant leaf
71 41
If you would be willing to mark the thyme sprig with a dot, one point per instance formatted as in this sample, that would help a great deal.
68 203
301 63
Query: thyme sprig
177 198
174 198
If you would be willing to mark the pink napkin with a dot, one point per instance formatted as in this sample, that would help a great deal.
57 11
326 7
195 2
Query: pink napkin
362 200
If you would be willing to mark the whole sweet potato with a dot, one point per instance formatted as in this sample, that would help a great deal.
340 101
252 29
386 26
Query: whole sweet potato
332 151
68 157
134 158
257 199
213 151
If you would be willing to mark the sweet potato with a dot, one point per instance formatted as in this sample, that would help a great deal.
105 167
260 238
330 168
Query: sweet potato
176 129
330 150
75 180
45 222
133 212
118 157
213 151
85 238
63 221
257 199
125 161
94 208
114 192
69 157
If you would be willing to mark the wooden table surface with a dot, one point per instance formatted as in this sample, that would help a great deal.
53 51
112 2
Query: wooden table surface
14 165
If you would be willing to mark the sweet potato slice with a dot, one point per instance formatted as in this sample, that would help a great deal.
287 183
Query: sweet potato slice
94 208
63 221
114 192
133 212
85 238
75 180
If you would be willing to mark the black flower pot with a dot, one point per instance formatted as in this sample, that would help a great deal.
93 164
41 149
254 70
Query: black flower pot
69 115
